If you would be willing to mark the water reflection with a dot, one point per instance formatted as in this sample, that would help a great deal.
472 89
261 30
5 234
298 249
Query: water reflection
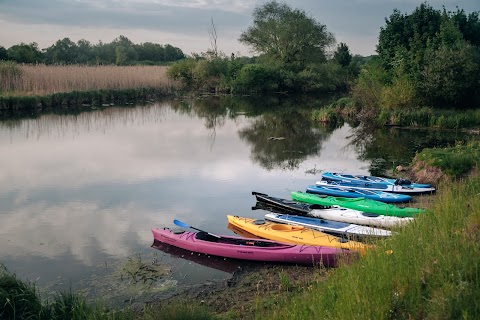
386 148
221 264
283 140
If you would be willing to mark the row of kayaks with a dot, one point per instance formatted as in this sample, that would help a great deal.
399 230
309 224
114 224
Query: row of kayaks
309 229
370 187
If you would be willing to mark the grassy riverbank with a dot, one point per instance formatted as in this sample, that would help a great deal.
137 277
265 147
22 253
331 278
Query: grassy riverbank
433 273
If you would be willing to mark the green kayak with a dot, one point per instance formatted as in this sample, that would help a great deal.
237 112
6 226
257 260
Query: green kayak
360 204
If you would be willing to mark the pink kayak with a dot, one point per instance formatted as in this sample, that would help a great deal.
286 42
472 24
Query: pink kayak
249 249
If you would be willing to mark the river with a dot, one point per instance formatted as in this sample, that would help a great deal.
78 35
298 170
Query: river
80 192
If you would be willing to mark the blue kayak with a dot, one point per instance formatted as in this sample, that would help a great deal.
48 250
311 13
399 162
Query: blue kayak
334 176
376 186
349 192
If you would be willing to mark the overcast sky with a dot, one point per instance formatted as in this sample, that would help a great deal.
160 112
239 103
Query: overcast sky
185 23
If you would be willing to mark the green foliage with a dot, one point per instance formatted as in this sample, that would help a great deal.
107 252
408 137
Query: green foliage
183 71
433 118
369 86
325 115
18 299
400 95
256 78
186 310
25 53
432 57
453 161
208 74
120 51
326 77
450 77
407 31
287 36
3 53
342 55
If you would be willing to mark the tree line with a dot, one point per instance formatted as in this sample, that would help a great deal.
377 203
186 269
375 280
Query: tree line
426 58
121 51
293 54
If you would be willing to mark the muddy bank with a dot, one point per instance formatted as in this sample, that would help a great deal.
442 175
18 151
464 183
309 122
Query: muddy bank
237 297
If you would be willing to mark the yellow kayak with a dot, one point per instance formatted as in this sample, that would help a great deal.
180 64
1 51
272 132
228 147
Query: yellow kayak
293 234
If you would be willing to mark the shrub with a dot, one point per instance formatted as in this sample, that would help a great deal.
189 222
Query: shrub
256 78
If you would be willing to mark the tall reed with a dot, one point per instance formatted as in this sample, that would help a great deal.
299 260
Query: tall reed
42 79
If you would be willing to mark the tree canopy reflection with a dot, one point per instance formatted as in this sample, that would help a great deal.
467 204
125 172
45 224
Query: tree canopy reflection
385 148
281 134
283 140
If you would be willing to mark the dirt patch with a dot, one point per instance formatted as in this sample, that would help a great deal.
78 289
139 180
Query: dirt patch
421 172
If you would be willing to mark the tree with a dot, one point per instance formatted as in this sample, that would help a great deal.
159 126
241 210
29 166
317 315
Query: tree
173 53
408 31
3 53
62 52
150 52
25 53
342 55
84 52
287 35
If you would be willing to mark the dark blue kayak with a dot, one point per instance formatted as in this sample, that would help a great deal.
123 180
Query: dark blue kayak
376 186
284 205
335 176
349 192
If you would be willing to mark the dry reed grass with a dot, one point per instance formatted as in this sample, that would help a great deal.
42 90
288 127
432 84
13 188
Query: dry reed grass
43 79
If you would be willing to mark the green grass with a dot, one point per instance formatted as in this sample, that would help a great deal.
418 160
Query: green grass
430 118
453 161
433 273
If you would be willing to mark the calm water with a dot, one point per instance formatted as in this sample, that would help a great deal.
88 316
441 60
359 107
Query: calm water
80 193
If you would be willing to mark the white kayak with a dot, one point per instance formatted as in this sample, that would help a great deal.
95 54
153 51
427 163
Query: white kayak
337 213
329 226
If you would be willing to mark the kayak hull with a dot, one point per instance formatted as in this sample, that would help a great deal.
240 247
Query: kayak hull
250 249
361 218
329 226
376 186
360 204
293 234
335 176
348 192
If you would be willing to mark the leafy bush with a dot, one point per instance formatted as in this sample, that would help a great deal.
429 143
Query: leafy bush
256 78
183 71
453 161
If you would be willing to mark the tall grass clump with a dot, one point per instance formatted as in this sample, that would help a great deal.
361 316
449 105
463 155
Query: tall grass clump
325 115
432 118
433 272
10 74
453 161
182 310
18 299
